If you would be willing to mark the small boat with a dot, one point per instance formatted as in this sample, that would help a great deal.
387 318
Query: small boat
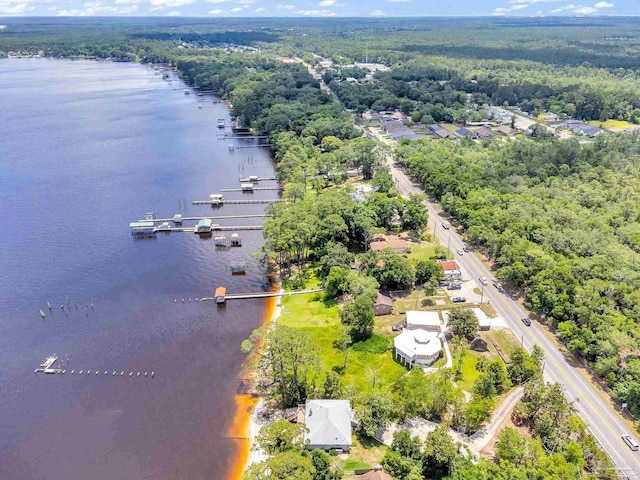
187 92
42 314
49 306
221 123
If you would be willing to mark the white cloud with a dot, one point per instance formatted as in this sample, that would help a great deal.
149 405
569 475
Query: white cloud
236 9
378 13
14 9
398 1
532 2
171 3
217 1
215 12
603 5
246 2
97 8
513 8
174 13
286 7
585 10
316 13
258 10
326 3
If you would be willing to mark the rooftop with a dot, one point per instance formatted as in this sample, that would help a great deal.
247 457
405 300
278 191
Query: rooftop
328 422
449 265
417 343
422 319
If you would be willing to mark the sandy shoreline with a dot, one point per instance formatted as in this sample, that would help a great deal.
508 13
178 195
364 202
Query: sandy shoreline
257 420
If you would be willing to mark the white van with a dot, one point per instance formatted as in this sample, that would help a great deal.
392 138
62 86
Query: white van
631 442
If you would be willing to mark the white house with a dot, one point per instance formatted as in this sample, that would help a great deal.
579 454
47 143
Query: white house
418 346
429 321
483 320
328 425
450 270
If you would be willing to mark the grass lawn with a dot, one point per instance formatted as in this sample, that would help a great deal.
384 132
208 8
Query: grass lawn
310 313
612 124
469 372
421 251
505 340
365 453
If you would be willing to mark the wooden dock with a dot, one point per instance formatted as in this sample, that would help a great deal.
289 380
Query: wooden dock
237 202
259 179
218 217
253 146
214 228
253 189
244 296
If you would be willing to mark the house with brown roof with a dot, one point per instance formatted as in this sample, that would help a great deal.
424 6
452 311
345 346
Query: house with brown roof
483 132
376 473
396 244
504 130
450 270
383 304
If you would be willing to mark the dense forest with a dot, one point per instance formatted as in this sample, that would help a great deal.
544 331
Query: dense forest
562 222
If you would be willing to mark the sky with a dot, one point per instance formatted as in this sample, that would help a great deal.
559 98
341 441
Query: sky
318 8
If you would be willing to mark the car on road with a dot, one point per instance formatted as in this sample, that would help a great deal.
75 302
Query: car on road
498 285
458 299
446 225
631 442
483 280
454 286
526 321
466 248
460 252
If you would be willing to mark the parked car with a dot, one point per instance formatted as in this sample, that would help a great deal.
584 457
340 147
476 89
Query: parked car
460 252
498 285
458 299
446 225
454 286
466 248
483 280
631 442
526 321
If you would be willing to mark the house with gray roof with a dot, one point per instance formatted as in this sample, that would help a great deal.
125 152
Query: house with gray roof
328 425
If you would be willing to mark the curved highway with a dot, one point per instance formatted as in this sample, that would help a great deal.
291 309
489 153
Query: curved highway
603 421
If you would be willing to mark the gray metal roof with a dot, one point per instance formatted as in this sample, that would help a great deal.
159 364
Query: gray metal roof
328 422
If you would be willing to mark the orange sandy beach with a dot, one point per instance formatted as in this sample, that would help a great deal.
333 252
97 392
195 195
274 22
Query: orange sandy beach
241 427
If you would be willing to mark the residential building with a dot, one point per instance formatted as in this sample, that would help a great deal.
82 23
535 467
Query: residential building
417 347
429 321
383 304
328 425
450 270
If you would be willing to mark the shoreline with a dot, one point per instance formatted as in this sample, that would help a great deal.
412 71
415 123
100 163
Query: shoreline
246 423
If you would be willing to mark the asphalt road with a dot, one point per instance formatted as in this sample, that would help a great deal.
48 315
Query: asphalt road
601 418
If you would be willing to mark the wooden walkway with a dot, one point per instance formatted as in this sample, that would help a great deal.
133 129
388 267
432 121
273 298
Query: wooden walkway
214 228
254 189
244 296
236 202
218 217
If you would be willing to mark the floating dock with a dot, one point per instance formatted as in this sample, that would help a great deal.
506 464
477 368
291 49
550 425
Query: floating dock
256 179
236 202
47 366
214 228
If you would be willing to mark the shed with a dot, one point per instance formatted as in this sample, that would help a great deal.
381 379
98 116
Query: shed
328 425
216 198
221 293
483 320
246 187
383 304
141 228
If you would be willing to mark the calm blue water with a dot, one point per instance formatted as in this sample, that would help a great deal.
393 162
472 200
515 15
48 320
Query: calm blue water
86 148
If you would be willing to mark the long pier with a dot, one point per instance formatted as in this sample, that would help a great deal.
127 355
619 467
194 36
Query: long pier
253 189
214 228
236 202
259 179
225 136
253 146
243 296
197 219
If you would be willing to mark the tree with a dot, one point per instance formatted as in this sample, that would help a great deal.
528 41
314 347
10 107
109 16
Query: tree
359 317
332 387
478 412
336 282
440 454
289 359
428 271
337 255
322 463
511 446
415 215
343 342
464 322
382 181
279 436
522 367
373 411
406 445
290 465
